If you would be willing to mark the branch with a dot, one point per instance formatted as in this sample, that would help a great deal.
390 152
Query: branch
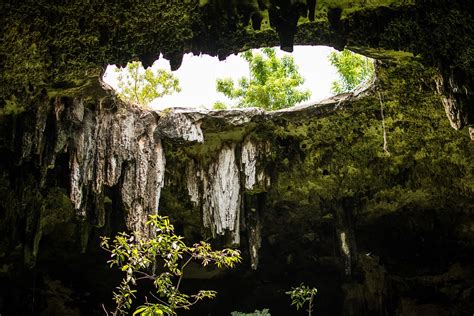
159 300
188 305
182 273
310 305
105 310
145 276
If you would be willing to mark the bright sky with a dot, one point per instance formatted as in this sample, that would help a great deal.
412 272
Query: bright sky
197 76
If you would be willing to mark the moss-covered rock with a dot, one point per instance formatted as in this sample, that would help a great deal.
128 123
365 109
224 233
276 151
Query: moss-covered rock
59 46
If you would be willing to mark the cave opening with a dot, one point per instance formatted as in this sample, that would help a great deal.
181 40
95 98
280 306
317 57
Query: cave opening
269 78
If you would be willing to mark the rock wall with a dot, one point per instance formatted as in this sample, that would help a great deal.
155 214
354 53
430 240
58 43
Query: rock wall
307 193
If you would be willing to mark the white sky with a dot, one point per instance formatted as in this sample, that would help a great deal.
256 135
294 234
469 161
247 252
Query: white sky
197 76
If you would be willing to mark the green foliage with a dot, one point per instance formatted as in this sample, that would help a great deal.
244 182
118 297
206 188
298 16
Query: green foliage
12 107
301 295
264 312
141 86
219 106
272 84
139 257
353 70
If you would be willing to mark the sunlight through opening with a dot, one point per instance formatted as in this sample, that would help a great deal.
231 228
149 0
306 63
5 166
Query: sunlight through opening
198 76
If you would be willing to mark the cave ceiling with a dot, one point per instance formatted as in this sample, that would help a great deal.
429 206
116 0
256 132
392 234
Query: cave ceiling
60 48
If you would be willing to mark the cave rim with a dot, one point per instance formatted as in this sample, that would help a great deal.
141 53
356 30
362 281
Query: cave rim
329 77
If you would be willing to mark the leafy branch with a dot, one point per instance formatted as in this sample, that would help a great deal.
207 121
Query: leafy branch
301 295
138 257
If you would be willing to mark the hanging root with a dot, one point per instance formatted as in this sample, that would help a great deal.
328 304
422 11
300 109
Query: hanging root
385 143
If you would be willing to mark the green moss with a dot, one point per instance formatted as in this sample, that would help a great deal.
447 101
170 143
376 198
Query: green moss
351 6
206 152
383 54
53 46
58 210
59 47
12 107
323 162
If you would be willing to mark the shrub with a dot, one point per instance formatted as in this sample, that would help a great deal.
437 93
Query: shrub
160 260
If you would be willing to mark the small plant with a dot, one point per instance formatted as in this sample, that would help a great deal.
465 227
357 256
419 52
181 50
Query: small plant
301 295
219 105
160 260
264 312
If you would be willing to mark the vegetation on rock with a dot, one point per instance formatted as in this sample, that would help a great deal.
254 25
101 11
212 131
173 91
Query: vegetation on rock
219 105
263 312
348 174
428 159
160 260
272 85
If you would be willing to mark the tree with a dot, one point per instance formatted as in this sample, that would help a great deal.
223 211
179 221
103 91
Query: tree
353 70
141 86
272 84
301 295
140 257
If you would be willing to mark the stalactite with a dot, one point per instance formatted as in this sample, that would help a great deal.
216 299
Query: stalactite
142 184
217 188
82 164
192 182
110 147
254 153
346 252
222 195
255 179
384 131
122 148
32 142
249 161
453 97
345 234
254 229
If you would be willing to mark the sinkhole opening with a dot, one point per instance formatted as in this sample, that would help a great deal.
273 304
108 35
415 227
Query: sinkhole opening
267 78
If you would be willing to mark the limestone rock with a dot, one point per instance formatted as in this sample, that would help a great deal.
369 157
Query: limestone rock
222 194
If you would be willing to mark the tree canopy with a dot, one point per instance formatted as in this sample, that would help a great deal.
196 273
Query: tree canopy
141 86
353 70
272 85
